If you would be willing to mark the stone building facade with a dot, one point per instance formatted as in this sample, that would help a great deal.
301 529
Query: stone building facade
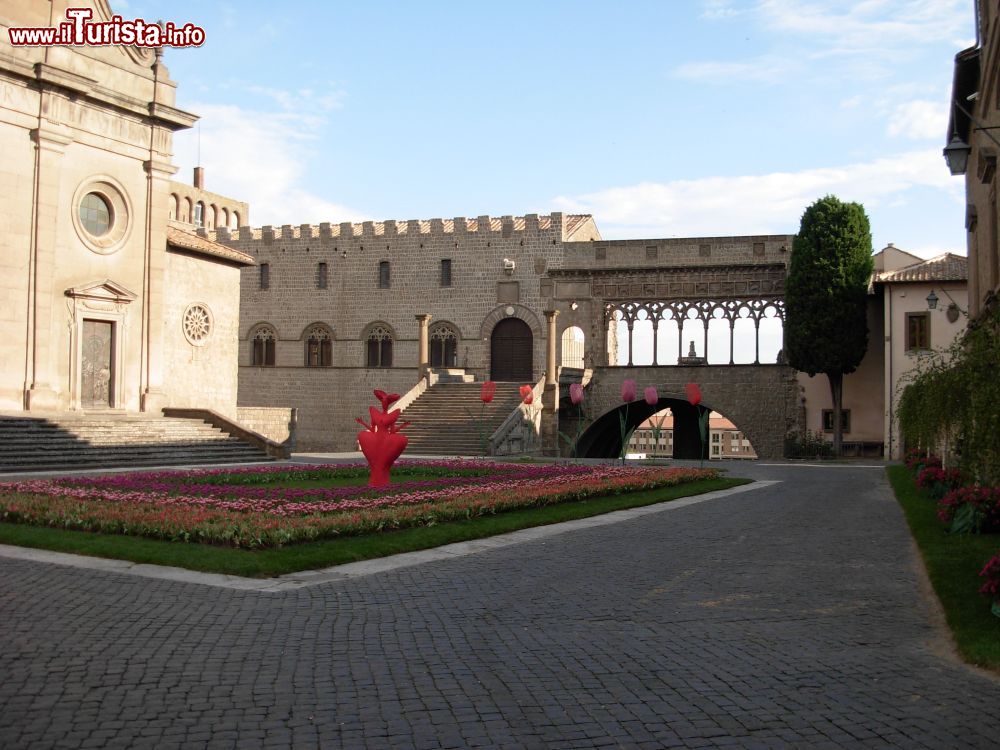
107 305
332 311
974 126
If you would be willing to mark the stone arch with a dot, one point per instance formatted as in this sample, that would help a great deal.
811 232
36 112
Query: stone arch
174 206
443 339
186 209
504 312
263 341
234 220
378 338
572 346
223 218
317 339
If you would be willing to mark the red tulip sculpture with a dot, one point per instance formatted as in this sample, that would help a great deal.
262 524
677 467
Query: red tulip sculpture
381 441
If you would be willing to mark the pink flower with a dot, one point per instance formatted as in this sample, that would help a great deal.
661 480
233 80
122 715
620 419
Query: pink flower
693 393
652 397
628 390
488 390
576 393
527 394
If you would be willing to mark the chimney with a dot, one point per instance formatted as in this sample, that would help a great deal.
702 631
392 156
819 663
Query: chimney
199 178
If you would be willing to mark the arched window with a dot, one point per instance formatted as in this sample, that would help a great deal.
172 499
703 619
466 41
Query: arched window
444 345
211 217
186 215
234 220
379 347
223 218
319 347
174 206
263 347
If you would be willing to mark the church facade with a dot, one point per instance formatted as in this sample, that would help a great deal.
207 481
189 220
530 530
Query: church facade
110 302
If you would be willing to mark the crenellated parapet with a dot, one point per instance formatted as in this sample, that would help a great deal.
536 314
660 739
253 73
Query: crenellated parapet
564 227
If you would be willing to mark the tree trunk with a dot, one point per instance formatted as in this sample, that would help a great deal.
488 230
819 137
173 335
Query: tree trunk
837 394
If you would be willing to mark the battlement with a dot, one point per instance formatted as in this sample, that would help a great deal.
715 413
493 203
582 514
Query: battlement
564 226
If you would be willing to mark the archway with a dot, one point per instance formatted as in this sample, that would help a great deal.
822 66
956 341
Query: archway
603 438
573 342
510 351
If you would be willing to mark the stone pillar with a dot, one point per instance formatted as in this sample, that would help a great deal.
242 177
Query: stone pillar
40 369
550 398
551 372
423 358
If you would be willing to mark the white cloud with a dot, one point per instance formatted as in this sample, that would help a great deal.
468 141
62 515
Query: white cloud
304 99
761 70
754 204
716 10
871 27
259 157
919 119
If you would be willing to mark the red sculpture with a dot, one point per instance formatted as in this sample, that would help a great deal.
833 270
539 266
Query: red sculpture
381 441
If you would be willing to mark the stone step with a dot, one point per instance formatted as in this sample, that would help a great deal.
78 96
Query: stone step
80 441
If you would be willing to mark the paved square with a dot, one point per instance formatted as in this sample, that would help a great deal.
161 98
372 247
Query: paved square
790 616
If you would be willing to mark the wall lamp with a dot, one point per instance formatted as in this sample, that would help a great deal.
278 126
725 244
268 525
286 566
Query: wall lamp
956 153
952 311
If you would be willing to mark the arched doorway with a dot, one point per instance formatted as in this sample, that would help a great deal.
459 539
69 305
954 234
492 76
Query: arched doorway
573 341
510 351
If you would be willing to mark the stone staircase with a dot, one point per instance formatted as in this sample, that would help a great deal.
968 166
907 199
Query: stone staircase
441 422
88 441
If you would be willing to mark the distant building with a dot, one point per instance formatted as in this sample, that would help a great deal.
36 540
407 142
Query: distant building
902 330
725 440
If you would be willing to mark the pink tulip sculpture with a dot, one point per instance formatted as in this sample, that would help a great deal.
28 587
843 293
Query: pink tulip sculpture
694 398
381 441
575 398
653 398
628 396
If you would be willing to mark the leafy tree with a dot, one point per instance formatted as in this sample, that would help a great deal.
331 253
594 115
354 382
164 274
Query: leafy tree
826 327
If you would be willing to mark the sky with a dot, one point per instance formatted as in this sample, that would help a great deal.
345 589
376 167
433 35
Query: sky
666 118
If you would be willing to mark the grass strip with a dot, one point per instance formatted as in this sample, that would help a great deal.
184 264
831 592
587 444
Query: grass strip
308 556
953 562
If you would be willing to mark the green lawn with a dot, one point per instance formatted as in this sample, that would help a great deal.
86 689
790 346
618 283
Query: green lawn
953 563
277 561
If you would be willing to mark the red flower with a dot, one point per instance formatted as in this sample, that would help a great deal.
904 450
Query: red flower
527 394
628 390
488 390
576 393
651 396
693 393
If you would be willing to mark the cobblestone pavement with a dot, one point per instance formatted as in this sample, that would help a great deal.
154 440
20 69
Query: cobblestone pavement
790 616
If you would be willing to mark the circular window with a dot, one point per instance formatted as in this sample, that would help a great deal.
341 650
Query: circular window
197 324
95 214
101 216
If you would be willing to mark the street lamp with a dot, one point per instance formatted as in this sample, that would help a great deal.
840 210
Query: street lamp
956 154
932 300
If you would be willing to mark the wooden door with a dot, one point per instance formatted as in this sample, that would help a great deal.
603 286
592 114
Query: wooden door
97 372
510 351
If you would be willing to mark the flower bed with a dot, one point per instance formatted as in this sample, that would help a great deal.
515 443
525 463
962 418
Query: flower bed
991 572
243 508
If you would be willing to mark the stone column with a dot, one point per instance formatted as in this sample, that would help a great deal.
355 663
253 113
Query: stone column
550 398
423 357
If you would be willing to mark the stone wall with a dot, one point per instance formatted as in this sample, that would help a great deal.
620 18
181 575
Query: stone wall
327 398
278 424
200 369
